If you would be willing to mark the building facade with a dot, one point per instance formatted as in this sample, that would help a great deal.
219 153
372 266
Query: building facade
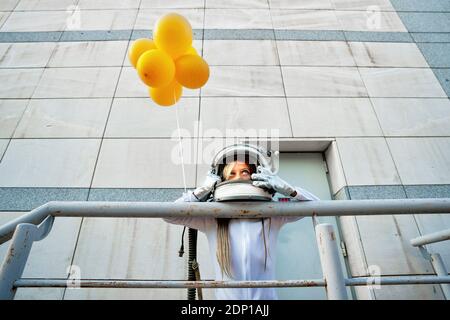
356 92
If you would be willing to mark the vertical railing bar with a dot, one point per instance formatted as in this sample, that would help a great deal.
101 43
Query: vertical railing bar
16 257
331 265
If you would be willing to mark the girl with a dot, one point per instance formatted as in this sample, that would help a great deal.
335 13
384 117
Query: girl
245 249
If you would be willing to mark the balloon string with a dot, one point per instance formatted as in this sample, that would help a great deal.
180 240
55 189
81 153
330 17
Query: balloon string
179 140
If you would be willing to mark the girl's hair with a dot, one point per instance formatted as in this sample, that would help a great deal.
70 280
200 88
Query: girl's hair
223 246
223 240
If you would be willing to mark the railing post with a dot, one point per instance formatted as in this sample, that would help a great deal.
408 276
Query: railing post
16 257
441 270
331 265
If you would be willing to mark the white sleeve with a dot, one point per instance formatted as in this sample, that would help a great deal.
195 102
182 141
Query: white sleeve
302 195
199 223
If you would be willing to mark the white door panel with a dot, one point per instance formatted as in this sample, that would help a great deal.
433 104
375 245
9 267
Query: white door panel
298 256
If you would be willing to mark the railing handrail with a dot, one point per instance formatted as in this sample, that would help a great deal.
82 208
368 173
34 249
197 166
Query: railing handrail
112 283
35 226
124 209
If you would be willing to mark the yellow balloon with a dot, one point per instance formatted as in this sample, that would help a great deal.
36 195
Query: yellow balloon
168 95
191 50
155 68
191 71
173 34
138 47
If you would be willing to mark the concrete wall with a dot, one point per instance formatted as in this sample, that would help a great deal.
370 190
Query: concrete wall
369 88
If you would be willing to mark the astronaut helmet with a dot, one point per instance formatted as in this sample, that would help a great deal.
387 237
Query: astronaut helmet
252 154
239 190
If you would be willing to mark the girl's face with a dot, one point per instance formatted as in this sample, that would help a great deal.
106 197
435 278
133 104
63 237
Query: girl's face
240 171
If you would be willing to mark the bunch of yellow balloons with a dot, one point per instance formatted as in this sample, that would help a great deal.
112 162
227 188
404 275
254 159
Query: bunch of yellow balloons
169 62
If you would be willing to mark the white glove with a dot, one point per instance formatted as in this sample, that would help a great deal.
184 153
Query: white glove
207 186
268 180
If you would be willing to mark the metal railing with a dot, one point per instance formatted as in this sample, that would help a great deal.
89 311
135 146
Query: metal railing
36 225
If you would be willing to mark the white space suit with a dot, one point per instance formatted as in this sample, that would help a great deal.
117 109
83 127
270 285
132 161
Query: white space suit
246 248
